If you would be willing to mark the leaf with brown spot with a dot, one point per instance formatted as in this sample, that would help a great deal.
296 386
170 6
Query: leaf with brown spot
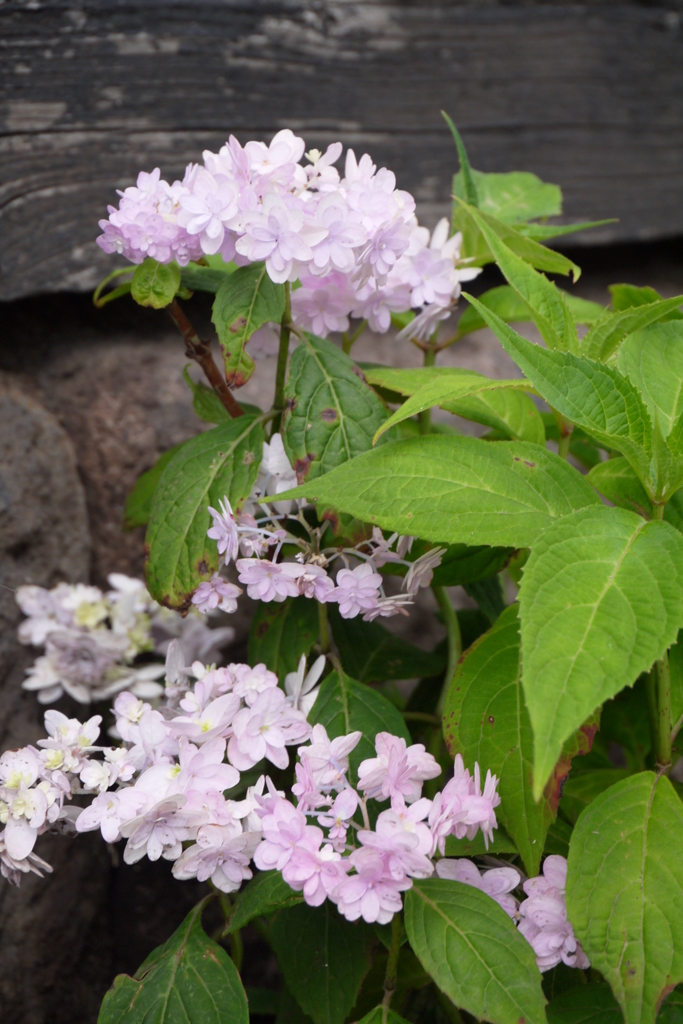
246 300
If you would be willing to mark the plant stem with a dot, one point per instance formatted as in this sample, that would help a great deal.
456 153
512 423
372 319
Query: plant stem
454 641
282 355
391 974
200 351
324 627
565 430
664 715
425 416
349 340
657 511
563 446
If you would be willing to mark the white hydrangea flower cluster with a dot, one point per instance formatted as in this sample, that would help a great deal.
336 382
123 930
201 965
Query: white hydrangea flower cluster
353 242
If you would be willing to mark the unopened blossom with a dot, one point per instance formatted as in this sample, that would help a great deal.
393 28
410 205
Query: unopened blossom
269 581
300 685
421 571
264 730
357 590
497 883
544 921
329 759
397 769
216 593
224 531
372 893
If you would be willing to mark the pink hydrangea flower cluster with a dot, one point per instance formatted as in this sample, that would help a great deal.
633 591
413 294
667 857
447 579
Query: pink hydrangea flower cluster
543 918
353 241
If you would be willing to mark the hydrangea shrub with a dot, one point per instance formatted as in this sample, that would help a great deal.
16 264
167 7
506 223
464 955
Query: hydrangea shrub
499 841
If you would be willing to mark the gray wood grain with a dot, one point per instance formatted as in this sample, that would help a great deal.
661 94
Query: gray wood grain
590 97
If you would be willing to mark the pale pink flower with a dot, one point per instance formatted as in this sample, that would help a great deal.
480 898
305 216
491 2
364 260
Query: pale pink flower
496 883
425 323
280 235
407 818
372 893
337 818
218 855
283 826
357 590
461 809
224 531
216 593
269 581
108 811
388 606
397 769
329 759
544 921
315 872
12 869
306 789
336 250
209 209
421 571
214 720
300 686
264 729
315 583
159 831
383 249
250 682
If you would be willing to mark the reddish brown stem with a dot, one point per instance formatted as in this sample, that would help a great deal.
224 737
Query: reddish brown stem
200 351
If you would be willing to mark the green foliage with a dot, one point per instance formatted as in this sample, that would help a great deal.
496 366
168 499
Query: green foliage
330 413
344 705
641 358
323 958
476 847
625 891
585 1004
600 600
462 564
189 978
625 296
220 463
280 632
474 952
371 654
203 279
456 490
606 335
380 1016
513 198
155 284
245 301
205 402
139 501
509 305
265 894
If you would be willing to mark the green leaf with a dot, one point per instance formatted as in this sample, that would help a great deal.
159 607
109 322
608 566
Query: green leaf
514 197
371 654
205 402
473 952
468 219
625 720
584 449
220 463
543 232
264 894
189 978
466 174
476 847
585 1004
588 393
456 490
139 501
323 958
676 670
245 301
343 706
559 835
601 598
581 789
546 303
672 1008
625 891
281 632
606 335
462 564
652 359
379 1016
617 481
508 304
500 405
203 279
330 413
155 284
485 719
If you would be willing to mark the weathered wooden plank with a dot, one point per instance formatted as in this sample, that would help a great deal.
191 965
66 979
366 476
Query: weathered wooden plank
590 97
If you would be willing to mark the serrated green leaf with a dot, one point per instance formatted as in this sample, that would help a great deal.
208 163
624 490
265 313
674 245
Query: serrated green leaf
485 719
266 893
456 490
245 301
596 397
502 407
473 952
581 789
155 284
281 632
546 303
514 197
205 402
371 654
344 705
616 480
625 891
601 598
323 958
189 978
220 463
606 335
508 304
462 564
585 1004
652 359
139 501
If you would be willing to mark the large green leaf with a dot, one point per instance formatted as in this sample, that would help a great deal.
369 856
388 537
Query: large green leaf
500 405
473 952
139 501
344 705
266 893
204 279
331 414
652 359
625 891
546 303
617 481
582 788
485 719
323 958
601 598
155 284
245 301
585 1004
456 490
189 978
281 632
606 335
512 197
220 463
508 304
371 654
